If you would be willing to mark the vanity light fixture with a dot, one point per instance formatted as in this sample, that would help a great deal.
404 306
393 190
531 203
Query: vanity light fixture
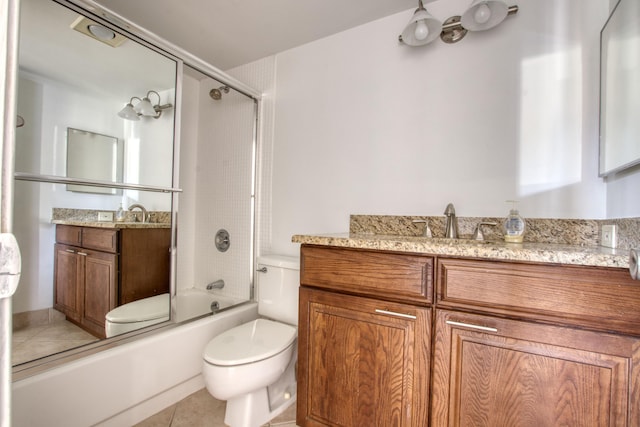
423 28
144 108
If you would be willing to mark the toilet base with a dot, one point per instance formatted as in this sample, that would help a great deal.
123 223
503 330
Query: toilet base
252 410
259 407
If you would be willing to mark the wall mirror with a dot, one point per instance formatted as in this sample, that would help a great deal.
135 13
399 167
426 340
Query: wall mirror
620 89
93 156
71 87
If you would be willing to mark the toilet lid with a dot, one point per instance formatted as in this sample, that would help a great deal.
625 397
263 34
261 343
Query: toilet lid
138 311
249 343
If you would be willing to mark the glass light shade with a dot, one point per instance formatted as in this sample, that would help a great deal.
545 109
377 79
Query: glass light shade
145 108
128 113
421 17
475 18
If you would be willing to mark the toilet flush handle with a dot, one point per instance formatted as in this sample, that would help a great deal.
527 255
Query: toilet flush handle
262 270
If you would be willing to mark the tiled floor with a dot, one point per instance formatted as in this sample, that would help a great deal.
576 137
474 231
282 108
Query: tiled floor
33 342
201 410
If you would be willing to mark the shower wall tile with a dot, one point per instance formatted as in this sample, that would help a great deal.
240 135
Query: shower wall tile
261 76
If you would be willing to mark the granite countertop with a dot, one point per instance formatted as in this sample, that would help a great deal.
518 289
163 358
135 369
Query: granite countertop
496 250
111 224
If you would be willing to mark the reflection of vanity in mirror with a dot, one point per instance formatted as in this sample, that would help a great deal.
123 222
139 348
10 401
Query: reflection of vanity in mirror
81 267
77 161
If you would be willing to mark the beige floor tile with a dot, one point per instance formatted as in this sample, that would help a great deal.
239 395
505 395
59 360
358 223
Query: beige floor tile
199 410
161 419
286 418
33 342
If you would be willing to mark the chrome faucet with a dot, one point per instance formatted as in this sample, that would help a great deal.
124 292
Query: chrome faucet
451 229
144 211
218 284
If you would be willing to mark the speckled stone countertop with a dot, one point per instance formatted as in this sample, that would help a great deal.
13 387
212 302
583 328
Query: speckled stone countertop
89 218
110 224
534 252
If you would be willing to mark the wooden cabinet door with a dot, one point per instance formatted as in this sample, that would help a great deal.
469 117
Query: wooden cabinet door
362 362
503 373
68 281
100 280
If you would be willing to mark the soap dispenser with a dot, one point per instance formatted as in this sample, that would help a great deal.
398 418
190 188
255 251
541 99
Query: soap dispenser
514 225
120 214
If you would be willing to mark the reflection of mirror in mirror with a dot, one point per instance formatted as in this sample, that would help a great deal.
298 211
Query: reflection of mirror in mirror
91 156
620 89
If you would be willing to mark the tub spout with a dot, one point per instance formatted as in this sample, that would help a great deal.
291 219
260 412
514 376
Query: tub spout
218 284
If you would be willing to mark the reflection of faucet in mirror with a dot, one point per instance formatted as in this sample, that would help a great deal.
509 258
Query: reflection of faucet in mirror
142 209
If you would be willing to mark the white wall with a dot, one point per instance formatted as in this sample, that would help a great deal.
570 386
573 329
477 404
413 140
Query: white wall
365 125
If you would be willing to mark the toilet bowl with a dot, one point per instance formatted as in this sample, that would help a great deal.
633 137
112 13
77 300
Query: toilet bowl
252 366
137 314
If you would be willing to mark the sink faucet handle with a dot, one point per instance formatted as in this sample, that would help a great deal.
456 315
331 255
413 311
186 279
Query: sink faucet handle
477 234
427 231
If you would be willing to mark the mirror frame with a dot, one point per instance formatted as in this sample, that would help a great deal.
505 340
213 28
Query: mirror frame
122 25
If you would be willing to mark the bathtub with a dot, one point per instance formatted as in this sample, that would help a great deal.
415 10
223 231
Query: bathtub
155 371
193 302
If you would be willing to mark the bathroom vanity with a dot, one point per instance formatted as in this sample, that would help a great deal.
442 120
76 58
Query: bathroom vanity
410 332
98 268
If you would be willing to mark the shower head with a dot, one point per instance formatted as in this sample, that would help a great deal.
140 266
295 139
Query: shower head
217 93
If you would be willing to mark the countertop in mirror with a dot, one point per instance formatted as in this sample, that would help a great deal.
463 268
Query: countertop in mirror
596 256
112 224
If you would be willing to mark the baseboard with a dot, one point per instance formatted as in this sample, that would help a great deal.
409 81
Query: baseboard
157 403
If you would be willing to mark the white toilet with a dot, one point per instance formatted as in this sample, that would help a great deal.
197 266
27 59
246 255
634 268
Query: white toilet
137 314
252 366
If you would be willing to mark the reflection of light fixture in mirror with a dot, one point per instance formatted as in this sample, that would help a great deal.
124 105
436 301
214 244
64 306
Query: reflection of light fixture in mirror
128 112
143 108
481 15
101 32
96 31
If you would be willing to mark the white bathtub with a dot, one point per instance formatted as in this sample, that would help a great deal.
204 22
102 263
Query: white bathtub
191 303
124 385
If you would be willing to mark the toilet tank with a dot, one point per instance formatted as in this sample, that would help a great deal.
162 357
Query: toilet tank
277 287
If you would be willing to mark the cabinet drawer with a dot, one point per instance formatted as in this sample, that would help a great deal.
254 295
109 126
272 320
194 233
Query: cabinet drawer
69 235
388 275
600 298
100 239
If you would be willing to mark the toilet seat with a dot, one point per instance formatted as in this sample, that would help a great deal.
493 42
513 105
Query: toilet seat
152 308
249 343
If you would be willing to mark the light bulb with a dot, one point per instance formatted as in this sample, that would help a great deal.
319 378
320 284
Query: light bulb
421 32
483 13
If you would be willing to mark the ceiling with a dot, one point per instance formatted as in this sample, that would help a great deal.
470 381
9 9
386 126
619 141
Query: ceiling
229 33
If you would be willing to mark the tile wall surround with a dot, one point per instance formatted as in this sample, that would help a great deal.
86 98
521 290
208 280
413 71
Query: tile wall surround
91 215
579 232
